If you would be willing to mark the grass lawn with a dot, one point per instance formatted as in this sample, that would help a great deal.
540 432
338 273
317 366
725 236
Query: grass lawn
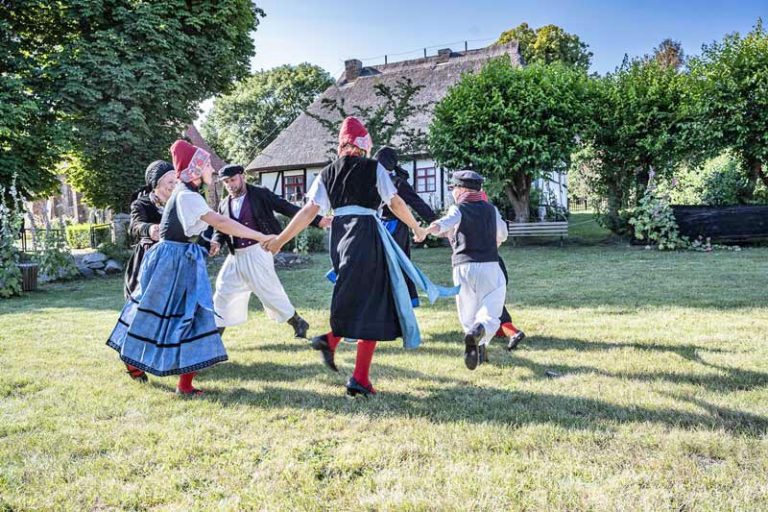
661 402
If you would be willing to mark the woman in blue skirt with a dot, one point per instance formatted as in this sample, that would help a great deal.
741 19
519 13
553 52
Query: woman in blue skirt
167 326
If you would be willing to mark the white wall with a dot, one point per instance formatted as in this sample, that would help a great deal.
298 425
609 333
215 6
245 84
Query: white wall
556 184
433 199
269 180
554 189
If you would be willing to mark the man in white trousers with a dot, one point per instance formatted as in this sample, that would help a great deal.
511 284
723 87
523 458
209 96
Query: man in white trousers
249 268
475 229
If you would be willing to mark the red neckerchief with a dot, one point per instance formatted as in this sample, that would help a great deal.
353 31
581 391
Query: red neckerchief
471 196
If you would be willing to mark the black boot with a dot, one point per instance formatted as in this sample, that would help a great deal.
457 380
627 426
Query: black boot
354 388
321 343
471 341
515 340
300 326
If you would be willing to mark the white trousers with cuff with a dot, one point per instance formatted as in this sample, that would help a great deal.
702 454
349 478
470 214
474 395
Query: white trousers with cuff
249 270
481 297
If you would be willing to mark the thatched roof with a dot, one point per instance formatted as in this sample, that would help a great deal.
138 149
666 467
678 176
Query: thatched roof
305 142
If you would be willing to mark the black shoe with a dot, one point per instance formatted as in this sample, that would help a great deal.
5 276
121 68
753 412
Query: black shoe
321 343
471 352
515 340
300 329
354 388
300 326
482 354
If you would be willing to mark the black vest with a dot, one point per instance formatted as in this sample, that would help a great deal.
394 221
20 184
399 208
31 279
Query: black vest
170 225
351 180
475 240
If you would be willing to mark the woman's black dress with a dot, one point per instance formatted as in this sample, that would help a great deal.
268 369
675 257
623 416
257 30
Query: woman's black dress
144 213
363 306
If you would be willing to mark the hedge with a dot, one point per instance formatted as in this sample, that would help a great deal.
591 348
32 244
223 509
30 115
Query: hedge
79 236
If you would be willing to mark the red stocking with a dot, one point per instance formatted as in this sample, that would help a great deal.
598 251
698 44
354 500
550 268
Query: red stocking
508 329
185 383
333 340
365 349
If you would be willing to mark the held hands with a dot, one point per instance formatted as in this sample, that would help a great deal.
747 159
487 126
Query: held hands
325 223
420 234
266 239
214 250
154 232
272 245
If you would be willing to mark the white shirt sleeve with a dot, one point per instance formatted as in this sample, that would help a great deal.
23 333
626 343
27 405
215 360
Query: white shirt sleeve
318 195
450 220
191 206
384 185
502 230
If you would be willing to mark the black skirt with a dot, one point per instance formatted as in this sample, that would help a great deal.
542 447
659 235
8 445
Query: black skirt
362 306
134 265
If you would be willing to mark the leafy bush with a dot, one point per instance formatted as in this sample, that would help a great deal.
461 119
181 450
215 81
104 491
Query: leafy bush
654 222
79 236
309 240
720 181
53 255
11 222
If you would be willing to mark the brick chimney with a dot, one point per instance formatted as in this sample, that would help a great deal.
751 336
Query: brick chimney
443 55
352 69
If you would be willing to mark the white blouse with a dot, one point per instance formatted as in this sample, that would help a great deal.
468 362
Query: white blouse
190 206
318 194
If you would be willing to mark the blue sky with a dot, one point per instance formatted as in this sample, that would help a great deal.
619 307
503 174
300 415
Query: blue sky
329 31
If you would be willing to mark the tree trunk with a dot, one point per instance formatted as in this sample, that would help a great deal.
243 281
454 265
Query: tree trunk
519 195
757 170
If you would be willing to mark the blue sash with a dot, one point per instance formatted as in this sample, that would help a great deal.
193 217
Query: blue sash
397 264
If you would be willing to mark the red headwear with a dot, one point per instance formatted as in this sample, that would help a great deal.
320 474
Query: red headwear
353 132
188 160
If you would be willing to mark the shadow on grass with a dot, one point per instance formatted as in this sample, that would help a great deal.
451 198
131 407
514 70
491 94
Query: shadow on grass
447 400
276 372
723 379
537 343
478 405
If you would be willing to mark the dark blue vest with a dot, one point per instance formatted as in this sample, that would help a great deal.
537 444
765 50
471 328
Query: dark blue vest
475 240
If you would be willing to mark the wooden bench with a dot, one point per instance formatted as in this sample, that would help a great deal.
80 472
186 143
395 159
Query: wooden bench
530 229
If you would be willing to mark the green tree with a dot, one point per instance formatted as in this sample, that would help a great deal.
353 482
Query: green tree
718 181
511 124
548 44
125 77
248 118
640 129
387 120
31 133
731 99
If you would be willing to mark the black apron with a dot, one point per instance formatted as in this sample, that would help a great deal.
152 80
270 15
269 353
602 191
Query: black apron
363 306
